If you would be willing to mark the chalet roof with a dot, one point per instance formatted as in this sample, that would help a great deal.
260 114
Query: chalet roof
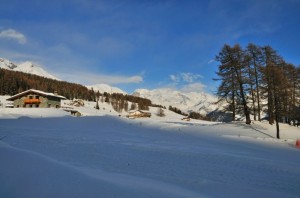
37 92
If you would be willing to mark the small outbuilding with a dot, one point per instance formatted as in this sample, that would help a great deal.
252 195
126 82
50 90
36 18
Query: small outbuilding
9 106
36 99
73 112
186 119
138 114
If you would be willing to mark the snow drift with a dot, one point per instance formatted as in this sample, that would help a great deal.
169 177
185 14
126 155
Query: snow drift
115 157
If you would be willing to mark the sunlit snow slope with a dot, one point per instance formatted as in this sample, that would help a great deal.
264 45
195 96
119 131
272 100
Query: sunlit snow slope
186 101
117 157
26 67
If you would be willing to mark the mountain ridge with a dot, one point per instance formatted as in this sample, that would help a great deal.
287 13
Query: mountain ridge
106 88
26 67
201 102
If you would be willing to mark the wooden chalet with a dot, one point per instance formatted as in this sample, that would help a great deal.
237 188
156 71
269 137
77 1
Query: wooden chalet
36 99
138 114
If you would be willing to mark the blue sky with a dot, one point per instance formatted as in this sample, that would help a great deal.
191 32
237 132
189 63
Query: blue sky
143 44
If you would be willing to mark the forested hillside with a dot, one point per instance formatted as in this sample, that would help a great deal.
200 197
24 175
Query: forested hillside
13 82
120 102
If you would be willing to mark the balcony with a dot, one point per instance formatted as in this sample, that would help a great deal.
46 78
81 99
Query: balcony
32 101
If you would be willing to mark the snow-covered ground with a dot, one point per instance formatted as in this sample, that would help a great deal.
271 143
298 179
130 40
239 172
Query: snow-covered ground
32 113
4 102
56 155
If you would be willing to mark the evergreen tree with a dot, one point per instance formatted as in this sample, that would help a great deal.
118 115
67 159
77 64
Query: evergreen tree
160 112
232 70
133 106
97 103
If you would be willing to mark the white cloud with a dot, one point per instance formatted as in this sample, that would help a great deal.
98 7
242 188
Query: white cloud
89 78
211 61
12 34
193 87
186 82
174 78
185 77
112 80
189 77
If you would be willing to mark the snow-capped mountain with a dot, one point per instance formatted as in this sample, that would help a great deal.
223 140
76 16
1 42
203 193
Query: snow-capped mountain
106 88
6 64
26 67
192 101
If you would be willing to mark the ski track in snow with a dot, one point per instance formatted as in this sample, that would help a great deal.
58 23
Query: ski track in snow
109 157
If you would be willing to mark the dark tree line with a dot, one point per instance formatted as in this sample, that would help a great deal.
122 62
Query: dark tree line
13 82
192 114
198 116
120 101
257 79
178 111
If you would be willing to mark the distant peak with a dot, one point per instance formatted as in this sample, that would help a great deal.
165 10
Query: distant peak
26 67
106 88
186 101
6 64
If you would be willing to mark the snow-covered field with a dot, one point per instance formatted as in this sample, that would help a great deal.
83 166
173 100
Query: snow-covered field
110 156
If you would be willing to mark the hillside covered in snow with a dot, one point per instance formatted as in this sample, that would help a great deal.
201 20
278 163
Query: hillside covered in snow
185 101
26 67
105 88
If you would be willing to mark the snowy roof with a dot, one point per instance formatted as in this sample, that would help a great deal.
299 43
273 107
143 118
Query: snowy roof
38 92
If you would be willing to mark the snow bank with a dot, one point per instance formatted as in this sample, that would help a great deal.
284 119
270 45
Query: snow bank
28 174
115 157
32 113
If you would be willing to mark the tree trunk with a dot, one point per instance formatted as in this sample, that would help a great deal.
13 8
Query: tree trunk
294 103
233 99
277 128
276 104
246 108
257 91
270 102
277 119
252 93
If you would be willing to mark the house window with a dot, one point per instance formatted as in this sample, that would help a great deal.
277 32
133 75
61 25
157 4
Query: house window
30 97
30 106
18 106
37 105
57 106
37 97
